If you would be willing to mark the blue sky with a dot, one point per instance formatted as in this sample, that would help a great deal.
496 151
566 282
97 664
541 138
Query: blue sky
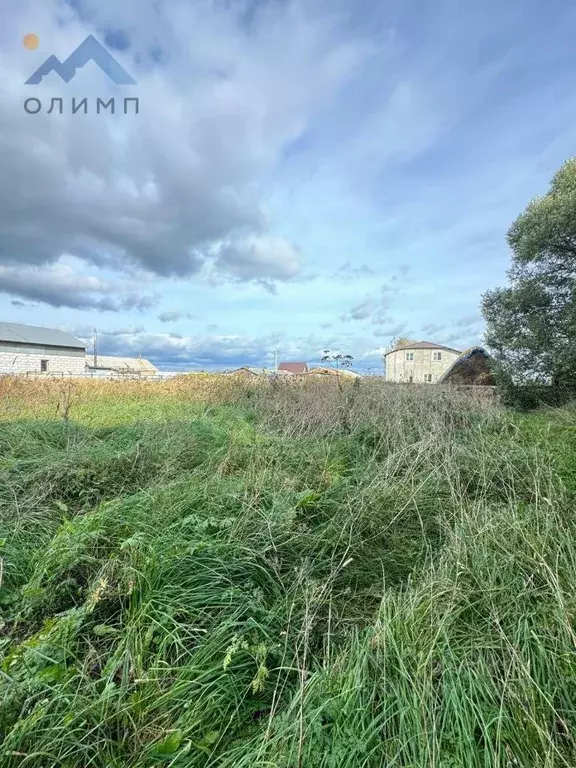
301 175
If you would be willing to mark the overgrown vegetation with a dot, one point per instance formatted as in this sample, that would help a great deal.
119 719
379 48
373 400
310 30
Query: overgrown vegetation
207 573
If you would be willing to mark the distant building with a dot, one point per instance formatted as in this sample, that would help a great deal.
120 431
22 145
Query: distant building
293 367
31 349
244 371
419 362
106 364
344 372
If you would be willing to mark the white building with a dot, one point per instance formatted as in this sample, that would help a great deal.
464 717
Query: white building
419 362
28 349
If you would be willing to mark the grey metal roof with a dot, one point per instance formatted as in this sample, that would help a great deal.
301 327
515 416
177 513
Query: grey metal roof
31 334
137 364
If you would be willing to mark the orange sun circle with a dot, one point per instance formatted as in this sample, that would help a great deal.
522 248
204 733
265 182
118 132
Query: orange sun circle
31 42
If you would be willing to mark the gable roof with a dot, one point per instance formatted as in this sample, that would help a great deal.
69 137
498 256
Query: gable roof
31 334
423 345
293 367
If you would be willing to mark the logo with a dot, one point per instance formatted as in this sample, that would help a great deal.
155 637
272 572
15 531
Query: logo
89 50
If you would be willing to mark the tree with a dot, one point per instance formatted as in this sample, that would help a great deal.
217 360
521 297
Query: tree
531 324
338 362
401 341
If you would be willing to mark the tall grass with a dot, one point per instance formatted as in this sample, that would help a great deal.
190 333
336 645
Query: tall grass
285 576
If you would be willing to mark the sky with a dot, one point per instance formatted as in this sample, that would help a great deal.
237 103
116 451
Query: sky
301 175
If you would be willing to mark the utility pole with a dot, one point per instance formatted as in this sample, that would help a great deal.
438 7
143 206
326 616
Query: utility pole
276 361
95 347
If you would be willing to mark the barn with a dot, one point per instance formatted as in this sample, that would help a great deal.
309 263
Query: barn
30 349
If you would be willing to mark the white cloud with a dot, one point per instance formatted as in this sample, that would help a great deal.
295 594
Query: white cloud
158 188
259 257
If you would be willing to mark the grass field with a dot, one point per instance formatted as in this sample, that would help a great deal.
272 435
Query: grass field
205 572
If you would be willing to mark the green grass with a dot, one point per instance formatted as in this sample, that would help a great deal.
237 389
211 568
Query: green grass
379 577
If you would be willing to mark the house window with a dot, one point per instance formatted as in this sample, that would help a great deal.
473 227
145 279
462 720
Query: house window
44 365
428 377
409 355
436 355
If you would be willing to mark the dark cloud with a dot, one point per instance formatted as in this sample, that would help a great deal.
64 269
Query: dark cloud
361 311
172 317
372 308
163 188
62 286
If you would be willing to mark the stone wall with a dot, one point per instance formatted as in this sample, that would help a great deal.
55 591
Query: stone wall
399 369
13 362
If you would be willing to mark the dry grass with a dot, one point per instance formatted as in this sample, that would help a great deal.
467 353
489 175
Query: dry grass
210 572
103 401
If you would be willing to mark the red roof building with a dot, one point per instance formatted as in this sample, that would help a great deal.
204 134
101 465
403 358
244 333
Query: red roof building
293 367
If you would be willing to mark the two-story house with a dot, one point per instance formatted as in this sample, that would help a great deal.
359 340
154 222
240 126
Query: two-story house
419 362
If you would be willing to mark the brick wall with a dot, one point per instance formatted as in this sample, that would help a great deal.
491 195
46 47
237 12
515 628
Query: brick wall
11 362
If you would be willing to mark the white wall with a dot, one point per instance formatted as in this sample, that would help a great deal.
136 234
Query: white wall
12 362
399 369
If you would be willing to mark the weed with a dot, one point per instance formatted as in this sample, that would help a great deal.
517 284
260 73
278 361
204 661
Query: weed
202 572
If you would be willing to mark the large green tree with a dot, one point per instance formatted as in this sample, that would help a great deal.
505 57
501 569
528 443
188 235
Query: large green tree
531 324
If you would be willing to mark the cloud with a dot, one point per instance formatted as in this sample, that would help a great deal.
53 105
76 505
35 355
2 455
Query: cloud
393 331
22 304
451 338
61 286
431 328
219 100
259 257
280 142
360 311
180 352
125 331
209 351
371 308
348 271
469 320
172 317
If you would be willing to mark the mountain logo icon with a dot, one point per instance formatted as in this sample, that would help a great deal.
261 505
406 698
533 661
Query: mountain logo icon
89 50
